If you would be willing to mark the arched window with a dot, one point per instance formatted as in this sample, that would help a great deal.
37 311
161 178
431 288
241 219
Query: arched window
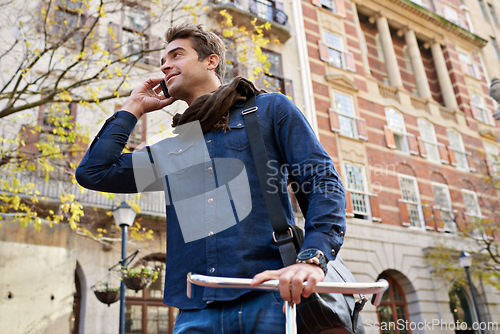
461 309
145 312
393 312
77 305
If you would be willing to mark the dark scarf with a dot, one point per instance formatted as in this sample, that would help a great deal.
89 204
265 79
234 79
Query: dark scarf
212 109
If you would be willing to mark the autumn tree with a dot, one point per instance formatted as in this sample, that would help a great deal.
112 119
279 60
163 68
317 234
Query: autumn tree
477 232
61 55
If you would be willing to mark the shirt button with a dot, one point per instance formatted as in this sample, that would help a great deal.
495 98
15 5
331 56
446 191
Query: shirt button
209 140
211 234
212 270
334 252
180 150
239 124
210 200
210 169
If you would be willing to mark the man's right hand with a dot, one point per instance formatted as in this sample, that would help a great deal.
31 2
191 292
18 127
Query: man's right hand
146 98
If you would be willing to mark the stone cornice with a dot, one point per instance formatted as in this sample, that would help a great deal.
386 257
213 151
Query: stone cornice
399 7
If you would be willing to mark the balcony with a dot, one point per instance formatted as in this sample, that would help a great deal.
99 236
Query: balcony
152 203
244 11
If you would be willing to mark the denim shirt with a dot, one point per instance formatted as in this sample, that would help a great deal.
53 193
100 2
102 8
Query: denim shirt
247 248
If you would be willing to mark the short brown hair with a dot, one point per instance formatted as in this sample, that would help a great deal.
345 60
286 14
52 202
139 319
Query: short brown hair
204 42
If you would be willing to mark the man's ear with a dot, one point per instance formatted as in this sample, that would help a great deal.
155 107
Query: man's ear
213 62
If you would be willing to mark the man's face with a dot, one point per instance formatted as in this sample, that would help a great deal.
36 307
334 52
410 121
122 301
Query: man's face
185 75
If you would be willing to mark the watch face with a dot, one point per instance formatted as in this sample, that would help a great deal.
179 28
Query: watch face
307 254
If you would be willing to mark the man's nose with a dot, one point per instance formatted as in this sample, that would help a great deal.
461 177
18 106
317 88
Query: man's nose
165 67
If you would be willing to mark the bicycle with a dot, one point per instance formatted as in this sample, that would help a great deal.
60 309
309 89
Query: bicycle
376 288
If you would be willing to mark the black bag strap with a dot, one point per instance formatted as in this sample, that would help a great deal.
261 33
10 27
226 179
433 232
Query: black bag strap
283 234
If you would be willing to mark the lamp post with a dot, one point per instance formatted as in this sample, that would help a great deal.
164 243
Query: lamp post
124 217
465 261
495 93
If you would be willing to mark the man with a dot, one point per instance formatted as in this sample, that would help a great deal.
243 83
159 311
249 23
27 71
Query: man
193 66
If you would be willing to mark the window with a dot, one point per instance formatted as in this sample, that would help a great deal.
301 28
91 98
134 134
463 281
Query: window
494 44
332 51
461 309
343 117
131 37
335 48
443 206
393 308
427 141
59 114
458 154
134 37
479 111
145 312
329 4
273 80
69 19
406 54
450 14
396 130
493 13
345 109
492 160
356 185
336 6
483 10
472 207
410 202
418 2
233 65
267 10
468 67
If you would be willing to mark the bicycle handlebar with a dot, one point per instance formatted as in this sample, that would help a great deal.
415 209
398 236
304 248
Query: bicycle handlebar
377 288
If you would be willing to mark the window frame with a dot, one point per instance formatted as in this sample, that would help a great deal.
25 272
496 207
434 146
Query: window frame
362 193
458 150
336 54
431 144
285 85
144 300
495 46
473 194
479 110
493 13
405 147
394 286
484 12
492 159
447 215
418 203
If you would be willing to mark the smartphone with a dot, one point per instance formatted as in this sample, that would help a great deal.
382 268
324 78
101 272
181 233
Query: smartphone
164 88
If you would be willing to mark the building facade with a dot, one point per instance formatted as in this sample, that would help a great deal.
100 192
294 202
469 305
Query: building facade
402 99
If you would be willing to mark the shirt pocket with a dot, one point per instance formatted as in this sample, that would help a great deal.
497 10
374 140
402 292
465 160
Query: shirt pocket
236 137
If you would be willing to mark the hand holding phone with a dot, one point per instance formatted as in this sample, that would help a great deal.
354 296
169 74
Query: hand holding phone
164 88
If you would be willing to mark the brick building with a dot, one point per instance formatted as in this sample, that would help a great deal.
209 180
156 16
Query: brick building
401 94
398 93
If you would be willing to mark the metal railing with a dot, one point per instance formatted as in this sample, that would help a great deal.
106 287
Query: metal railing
262 9
152 203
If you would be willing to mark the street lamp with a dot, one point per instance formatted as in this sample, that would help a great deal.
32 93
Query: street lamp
495 93
124 217
465 261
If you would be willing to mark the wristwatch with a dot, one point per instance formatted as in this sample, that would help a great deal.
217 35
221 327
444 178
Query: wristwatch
313 256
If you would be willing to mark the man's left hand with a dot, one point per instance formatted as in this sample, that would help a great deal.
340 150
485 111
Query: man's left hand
291 280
